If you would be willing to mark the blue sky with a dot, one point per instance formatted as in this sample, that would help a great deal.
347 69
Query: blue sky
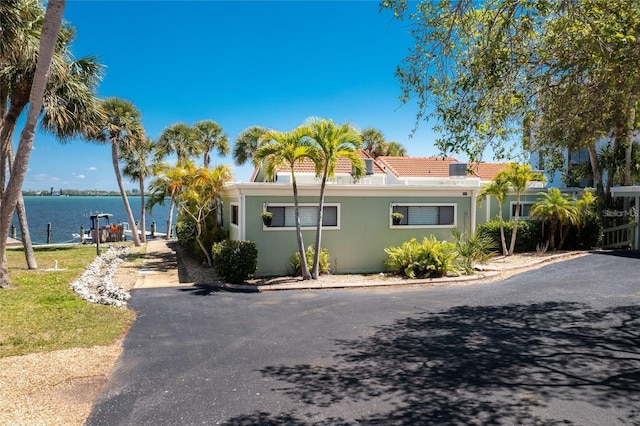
266 63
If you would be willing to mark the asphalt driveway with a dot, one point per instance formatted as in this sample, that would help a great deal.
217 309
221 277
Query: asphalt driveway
558 345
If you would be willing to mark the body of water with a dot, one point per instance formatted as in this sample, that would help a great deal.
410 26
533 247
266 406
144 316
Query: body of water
68 214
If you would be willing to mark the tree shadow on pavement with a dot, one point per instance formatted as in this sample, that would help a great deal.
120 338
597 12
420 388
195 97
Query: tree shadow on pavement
476 365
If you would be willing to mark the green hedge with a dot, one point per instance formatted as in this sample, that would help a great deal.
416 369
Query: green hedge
235 261
587 236
324 265
528 237
186 233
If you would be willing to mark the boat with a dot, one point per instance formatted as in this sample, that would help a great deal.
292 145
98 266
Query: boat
112 232
101 227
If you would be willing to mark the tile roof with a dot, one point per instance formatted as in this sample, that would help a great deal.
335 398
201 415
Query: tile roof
417 166
437 167
343 166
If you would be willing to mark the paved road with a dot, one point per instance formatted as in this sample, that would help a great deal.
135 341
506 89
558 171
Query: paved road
559 345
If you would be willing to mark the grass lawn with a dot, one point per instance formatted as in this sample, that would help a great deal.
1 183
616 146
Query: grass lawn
41 313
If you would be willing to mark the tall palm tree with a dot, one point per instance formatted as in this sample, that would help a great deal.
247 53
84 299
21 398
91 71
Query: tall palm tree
285 149
198 200
497 188
246 144
122 128
210 136
48 38
180 139
559 210
69 100
138 167
334 141
518 176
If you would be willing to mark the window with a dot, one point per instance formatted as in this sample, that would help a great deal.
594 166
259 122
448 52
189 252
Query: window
525 207
284 216
427 214
234 214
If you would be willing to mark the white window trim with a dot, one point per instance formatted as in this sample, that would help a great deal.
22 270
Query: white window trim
231 206
512 205
304 228
455 215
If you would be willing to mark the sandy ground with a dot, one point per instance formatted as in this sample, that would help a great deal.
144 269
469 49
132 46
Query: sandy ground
59 387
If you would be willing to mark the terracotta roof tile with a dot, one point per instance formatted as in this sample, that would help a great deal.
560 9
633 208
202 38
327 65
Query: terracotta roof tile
343 166
417 166
424 167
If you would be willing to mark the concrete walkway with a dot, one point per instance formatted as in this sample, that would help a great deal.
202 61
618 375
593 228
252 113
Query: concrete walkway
162 269
160 266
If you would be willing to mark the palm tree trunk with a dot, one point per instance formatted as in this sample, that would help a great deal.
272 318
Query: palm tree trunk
596 170
304 268
48 38
512 246
123 192
315 270
29 254
172 205
611 173
628 146
143 225
503 240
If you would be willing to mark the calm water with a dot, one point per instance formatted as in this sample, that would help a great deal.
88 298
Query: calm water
68 214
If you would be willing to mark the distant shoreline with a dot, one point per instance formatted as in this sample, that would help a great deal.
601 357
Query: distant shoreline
76 193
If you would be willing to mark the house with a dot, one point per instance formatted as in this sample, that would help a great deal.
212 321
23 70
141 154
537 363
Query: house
434 195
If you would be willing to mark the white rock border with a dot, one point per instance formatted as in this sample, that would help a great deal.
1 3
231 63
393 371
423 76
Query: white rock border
96 285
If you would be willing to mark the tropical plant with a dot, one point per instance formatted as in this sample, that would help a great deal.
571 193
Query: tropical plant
334 141
374 144
429 259
210 136
180 139
473 248
247 143
325 263
235 261
200 197
497 188
122 129
559 210
518 177
285 149
48 38
137 166
167 183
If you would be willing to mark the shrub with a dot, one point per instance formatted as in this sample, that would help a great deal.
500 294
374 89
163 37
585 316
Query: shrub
235 261
324 264
186 233
528 237
431 258
474 248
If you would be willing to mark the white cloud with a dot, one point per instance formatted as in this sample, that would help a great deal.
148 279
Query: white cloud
92 168
80 176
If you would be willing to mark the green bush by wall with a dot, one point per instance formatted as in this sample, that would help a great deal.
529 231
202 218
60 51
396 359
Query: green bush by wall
235 261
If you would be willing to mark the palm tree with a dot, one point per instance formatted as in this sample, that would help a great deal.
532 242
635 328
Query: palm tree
122 128
69 100
559 210
395 149
168 182
246 144
48 38
198 200
518 177
334 142
137 167
210 136
497 188
179 139
285 149
374 144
